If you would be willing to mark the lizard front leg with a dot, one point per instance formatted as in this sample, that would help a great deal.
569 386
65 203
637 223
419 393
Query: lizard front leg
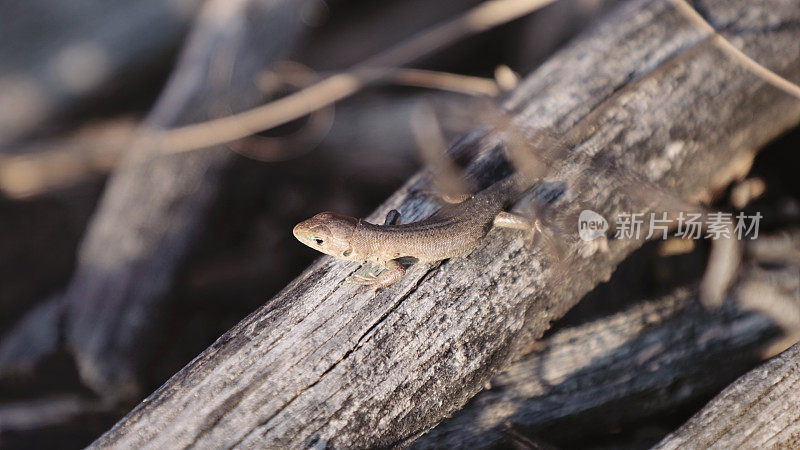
394 273
392 217
367 275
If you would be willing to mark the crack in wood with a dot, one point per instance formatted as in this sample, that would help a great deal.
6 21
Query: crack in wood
356 346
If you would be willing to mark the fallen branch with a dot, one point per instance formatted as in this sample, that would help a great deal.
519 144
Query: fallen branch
319 365
617 370
759 410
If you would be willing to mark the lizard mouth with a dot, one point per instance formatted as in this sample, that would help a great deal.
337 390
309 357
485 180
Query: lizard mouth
300 232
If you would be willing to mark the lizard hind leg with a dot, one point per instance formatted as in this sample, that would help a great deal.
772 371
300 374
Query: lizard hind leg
510 220
518 222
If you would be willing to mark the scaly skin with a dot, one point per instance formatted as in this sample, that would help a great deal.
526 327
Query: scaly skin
451 232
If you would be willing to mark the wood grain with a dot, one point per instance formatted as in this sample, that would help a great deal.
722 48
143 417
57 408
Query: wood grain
638 364
320 366
759 410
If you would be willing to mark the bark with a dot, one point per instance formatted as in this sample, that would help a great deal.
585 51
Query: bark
759 410
618 370
319 365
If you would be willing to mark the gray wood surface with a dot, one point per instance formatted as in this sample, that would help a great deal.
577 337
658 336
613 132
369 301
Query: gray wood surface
759 410
640 363
318 365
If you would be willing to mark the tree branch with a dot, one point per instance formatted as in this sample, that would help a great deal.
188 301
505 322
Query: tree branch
759 410
319 365
620 369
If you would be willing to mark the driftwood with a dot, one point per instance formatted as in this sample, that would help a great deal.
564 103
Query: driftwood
545 392
759 410
617 370
159 234
319 365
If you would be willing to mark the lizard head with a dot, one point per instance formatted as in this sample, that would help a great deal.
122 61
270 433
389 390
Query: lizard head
329 233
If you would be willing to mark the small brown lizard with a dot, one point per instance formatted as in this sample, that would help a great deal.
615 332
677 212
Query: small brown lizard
450 232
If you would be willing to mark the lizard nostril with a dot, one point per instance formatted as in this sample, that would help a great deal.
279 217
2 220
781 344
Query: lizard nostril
318 241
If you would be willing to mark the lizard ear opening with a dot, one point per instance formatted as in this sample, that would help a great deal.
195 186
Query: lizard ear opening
347 252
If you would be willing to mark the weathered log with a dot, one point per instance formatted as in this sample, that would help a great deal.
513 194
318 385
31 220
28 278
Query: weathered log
320 365
759 410
618 370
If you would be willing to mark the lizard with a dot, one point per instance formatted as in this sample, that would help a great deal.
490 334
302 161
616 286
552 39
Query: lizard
451 232
457 230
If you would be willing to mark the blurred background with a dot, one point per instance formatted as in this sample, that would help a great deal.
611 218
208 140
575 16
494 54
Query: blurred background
115 271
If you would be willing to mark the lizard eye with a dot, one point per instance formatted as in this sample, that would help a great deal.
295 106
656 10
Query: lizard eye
318 241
